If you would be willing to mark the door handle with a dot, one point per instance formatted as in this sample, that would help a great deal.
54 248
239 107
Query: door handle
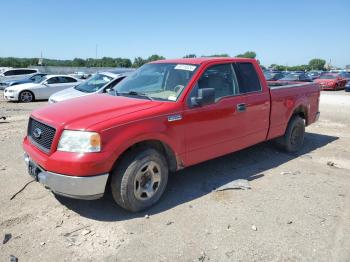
241 107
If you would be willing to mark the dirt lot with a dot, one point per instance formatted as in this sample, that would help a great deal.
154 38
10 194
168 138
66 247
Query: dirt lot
298 204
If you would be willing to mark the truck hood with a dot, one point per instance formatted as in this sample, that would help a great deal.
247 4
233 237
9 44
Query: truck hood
67 94
84 112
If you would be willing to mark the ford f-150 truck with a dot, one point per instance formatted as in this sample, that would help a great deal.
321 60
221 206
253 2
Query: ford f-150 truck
167 115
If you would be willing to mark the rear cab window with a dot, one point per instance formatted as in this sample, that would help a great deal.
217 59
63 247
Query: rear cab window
248 79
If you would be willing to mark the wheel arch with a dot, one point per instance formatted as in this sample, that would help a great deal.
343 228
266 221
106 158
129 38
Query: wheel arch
174 163
302 111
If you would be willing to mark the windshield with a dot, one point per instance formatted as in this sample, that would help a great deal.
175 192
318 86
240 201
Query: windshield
327 77
290 77
162 81
37 78
94 83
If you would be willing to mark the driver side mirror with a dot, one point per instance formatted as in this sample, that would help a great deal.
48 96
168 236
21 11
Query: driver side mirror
205 96
45 83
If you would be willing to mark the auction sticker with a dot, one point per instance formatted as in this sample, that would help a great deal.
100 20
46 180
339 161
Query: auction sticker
185 67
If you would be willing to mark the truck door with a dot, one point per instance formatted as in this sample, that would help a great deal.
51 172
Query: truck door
211 129
256 104
234 121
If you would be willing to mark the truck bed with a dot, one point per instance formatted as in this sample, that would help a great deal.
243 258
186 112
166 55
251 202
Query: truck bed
285 97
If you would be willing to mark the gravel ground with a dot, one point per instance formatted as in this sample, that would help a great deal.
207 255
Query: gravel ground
298 207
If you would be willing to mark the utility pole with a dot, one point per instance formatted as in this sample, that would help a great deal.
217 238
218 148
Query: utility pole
96 51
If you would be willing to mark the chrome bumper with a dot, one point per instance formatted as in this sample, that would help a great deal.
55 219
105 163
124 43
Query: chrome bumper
88 188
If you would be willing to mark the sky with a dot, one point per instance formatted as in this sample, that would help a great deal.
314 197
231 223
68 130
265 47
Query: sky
280 32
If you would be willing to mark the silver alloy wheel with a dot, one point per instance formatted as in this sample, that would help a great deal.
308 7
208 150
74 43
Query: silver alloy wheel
147 181
26 96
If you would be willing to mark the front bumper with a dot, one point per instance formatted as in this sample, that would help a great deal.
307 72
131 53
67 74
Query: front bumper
10 96
87 188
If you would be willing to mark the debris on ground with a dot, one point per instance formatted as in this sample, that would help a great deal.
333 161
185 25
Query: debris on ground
59 223
203 257
7 237
3 118
290 173
331 164
19 191
147 216
13 258
289 222
235 184
254 228
2 168
70 233
169 223
85 232
42 243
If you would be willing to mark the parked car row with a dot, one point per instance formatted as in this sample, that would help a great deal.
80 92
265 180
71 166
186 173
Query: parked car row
56 88
327 80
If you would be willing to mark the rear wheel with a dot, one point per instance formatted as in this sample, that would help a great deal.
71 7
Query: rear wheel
293 138
26 96
140 179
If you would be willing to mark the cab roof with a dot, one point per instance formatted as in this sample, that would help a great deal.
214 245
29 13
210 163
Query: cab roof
204 60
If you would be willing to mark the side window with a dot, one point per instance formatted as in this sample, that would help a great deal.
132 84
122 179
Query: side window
9 73
29 71
221 78
53 80
68 80
247 77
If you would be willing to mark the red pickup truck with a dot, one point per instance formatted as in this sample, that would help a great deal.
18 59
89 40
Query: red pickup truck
168 115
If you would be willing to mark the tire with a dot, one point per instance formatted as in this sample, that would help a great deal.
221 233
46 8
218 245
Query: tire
140 179
293 139
26 96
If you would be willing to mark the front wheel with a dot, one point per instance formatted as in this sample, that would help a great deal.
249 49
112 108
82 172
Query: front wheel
140 179
293 138
26 96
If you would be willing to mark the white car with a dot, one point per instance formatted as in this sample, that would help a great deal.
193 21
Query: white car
17 73
41 90
98 83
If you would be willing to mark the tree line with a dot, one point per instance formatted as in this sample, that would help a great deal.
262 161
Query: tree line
314 64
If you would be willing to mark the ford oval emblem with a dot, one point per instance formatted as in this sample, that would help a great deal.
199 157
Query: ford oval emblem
37 132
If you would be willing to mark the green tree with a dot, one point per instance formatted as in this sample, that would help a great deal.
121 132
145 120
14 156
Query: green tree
138 61
155 58
248 54
317 64
217 55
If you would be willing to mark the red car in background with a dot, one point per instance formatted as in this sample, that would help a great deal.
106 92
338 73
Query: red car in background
331 81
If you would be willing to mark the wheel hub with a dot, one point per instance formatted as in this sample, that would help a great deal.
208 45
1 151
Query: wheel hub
147 181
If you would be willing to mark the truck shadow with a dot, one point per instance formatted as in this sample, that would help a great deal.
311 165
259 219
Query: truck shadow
199 180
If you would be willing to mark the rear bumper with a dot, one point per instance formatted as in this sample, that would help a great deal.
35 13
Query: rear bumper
87 188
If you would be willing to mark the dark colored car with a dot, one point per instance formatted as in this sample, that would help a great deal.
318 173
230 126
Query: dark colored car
347 86
314 74
34 78
297 77
345 75
273 76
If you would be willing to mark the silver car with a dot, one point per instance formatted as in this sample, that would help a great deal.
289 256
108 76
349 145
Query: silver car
98 83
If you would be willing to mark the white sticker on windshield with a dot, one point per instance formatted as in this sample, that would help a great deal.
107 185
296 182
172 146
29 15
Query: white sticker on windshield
172 98
185 67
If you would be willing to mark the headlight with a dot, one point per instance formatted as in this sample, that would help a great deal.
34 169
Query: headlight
10 91
79 141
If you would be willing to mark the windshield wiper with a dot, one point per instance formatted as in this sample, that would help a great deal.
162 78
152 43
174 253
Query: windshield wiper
134 93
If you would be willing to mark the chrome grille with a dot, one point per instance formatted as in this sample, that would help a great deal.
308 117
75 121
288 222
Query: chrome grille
41 135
